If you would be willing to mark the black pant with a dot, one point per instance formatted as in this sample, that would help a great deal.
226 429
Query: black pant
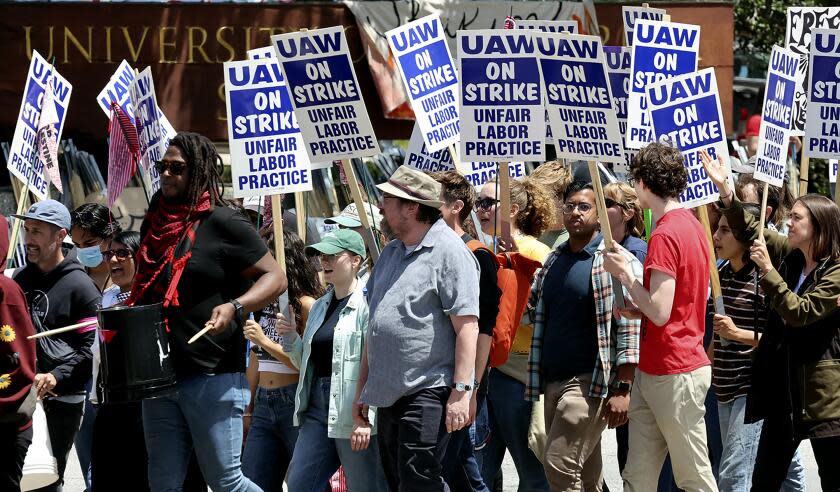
412 440
63 421
118 458
13 447
776 448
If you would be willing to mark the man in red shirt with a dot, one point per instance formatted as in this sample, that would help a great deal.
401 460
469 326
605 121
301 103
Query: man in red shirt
667 403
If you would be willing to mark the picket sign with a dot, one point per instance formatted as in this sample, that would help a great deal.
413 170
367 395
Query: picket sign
822 125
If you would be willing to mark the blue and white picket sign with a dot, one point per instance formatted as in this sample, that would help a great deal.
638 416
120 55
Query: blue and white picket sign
776 117
685 113
579 98
325 94
618 59
660 50
152 138
478 173
22 161
117 90
422 54
832 170
569 26
501 103
822 123
267 154
629 16
419 157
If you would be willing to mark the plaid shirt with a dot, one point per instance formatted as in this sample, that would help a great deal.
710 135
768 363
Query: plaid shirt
615 347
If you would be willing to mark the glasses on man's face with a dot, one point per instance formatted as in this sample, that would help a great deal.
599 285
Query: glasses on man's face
121 254
485 203
176 168
570 207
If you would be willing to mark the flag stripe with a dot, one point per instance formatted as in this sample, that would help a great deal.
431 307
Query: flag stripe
123 153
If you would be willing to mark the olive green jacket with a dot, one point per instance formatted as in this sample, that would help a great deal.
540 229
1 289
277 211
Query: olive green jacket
796 368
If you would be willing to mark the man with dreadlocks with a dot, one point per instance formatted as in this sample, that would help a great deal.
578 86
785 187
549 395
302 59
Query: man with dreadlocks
209 268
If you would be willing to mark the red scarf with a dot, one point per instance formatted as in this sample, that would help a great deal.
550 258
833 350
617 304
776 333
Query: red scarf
168 224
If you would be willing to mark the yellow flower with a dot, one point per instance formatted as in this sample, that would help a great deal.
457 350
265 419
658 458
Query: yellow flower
5 381
7 333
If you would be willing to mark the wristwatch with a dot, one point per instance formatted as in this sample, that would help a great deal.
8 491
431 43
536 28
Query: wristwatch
462 387
622 385
240 311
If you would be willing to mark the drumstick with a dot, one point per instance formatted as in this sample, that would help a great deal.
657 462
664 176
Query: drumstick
56 331
207 327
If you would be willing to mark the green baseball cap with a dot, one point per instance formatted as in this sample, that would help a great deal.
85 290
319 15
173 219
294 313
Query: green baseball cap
337 241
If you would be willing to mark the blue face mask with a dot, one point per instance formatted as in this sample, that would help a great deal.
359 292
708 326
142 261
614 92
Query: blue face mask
90 257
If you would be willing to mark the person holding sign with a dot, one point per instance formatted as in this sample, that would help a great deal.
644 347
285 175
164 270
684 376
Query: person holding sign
795 383
208 266
532 212
420 357
667 406
581 357
327 354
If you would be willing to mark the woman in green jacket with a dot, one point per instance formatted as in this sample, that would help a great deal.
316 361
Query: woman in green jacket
329 358
796 370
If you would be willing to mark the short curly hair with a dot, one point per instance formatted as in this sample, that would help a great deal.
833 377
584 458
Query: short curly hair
660 167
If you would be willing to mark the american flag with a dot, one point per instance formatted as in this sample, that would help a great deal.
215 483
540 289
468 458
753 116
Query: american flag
47 142
123 152
510 23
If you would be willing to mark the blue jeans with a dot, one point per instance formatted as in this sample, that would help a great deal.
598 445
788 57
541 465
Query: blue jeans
271 438
740 444
205 411
460 467
510 417
84 438
318 456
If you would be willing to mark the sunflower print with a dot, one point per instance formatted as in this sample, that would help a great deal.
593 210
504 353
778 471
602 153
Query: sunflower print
5 381
7 333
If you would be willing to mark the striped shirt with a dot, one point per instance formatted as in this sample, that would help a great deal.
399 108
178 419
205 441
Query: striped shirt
733 361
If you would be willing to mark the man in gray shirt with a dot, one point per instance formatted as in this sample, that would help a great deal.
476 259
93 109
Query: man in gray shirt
420 354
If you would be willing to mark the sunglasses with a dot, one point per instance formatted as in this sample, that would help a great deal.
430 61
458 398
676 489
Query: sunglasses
610 203
485 203
121 254
176 168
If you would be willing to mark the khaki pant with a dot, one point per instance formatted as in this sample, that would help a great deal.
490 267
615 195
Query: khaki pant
574 426
667 416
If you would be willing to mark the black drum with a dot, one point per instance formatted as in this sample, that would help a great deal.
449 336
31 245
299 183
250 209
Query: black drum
134 350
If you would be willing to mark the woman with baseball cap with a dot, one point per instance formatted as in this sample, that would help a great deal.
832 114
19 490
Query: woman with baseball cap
329 357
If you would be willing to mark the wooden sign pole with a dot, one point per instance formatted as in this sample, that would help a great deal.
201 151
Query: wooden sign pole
763 213
803 173
503 175
356 193
717 294
277 223
300 208
606 230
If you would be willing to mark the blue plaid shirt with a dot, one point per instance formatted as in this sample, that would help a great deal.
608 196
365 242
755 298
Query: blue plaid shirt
615 347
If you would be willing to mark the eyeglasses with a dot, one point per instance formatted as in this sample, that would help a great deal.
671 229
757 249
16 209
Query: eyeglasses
121 254
485 203
176 168
610 203
570 207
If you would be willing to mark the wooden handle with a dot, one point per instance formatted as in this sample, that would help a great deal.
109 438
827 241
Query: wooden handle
803 174
277 223
504 199
717 294
606 230
200 334
65 329
763 213
356 193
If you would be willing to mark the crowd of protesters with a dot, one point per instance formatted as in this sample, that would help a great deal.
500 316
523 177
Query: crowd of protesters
419 372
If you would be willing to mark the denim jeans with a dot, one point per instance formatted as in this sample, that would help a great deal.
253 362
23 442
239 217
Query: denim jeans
740 445
271 439
84 438
317 456
460 467
510 418
205 411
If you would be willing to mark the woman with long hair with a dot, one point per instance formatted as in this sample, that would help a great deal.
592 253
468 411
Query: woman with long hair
271 435
329 357
209 268
532 212
795 384
627 221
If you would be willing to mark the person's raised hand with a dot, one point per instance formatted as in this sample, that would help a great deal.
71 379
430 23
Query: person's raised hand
760 256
